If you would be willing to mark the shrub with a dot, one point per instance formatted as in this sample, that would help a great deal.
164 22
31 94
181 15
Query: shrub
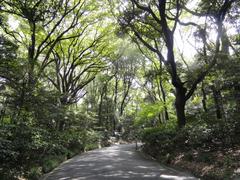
34 173
51 162
158 140
93 138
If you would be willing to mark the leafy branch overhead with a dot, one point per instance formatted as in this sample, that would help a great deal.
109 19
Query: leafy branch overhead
77 75
163 21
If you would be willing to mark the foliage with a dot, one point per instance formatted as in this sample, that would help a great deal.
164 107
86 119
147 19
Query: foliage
71 78
199 142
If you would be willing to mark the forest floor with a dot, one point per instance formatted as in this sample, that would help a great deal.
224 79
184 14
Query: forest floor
209 165
115 162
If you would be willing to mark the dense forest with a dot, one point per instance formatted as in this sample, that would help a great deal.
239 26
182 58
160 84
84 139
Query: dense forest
76 75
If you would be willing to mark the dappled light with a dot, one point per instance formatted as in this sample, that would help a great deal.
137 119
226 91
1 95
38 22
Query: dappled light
116 162
175 177
114 89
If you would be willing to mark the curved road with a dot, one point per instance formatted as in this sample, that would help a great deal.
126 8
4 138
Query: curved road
116 162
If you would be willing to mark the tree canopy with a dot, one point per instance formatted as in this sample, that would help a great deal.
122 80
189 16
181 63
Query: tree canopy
76 74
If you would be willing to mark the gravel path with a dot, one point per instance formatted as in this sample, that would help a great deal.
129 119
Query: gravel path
116 162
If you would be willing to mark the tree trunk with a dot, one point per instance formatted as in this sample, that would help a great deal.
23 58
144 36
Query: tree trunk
115 103
237 96
180 103
31 59
61 125
216 94
204 98
127 85
164 100
100 120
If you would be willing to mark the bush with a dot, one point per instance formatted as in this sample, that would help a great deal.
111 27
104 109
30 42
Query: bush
158 140
12 151
93 140
204 135
35 173
51 162
28 149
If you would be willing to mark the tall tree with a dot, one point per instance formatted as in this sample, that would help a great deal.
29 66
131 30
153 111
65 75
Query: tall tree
153 24
76 63
41 28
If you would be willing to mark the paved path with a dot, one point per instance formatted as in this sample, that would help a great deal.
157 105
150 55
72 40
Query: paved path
114 163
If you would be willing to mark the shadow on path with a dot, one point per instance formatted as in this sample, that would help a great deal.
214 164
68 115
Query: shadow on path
116 162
